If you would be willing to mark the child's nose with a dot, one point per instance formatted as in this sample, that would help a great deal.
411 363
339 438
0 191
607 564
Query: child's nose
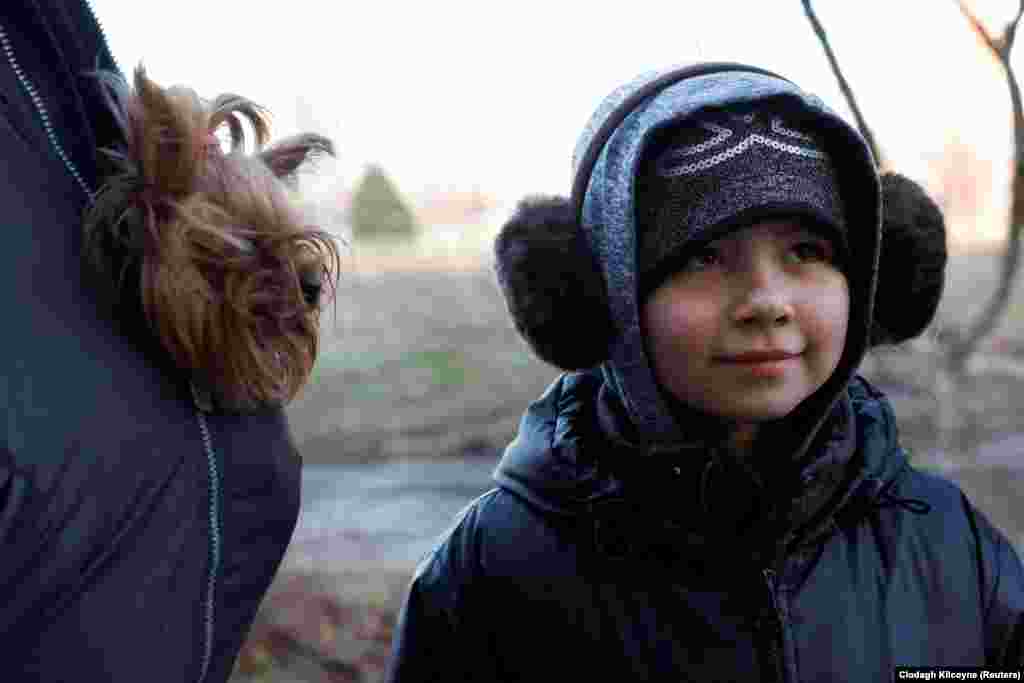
764 298
764 308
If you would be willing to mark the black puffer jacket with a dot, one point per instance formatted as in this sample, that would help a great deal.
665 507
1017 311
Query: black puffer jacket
137 536
592 562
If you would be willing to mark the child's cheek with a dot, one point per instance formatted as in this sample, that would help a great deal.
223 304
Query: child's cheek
826 319
684 322
675 329
698 326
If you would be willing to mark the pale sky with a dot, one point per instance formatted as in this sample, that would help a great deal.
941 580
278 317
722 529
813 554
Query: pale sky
493 95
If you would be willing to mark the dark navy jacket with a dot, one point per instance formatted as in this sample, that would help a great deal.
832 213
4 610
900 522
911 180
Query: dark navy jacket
592 562
137 536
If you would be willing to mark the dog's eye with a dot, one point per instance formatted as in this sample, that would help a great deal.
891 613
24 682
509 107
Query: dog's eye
311 286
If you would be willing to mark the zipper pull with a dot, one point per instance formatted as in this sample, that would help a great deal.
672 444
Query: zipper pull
769 577
201 397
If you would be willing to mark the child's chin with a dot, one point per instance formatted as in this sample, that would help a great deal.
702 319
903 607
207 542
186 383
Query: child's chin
752 404
766 411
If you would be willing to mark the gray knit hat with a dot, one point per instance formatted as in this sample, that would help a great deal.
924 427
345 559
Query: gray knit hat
723 170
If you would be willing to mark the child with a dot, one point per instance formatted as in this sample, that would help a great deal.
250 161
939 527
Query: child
713 494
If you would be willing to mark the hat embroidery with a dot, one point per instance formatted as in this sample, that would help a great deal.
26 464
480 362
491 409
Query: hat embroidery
668 164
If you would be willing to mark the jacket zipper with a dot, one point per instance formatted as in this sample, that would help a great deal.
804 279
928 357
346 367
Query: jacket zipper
201 404
773 639
44 115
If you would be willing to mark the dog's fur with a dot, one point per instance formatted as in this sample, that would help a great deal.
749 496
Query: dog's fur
559 304
205 246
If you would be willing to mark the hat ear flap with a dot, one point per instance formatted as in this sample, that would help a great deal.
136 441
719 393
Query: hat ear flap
553 289
912 265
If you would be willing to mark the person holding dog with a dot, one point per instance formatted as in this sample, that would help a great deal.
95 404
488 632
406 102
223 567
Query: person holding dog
162 296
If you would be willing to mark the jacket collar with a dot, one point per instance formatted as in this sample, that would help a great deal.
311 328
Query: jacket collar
703 486
573 457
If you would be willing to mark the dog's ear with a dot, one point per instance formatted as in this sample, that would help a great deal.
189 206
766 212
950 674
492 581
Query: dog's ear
553 288
912 265
227 108
286 157
166 141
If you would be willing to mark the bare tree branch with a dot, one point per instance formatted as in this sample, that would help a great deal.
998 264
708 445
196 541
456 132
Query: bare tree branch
989 318
862 125
1001 45
1011 34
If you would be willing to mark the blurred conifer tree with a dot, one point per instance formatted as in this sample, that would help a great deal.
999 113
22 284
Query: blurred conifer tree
378 210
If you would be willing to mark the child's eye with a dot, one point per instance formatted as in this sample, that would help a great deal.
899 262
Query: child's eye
706 257
812 250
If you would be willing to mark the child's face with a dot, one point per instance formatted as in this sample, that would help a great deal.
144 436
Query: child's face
752 324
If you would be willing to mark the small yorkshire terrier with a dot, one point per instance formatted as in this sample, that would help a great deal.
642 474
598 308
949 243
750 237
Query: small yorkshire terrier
205 246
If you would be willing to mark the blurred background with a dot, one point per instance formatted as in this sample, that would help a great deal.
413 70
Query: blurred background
444 114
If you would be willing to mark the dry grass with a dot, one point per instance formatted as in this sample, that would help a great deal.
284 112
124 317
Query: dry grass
416 362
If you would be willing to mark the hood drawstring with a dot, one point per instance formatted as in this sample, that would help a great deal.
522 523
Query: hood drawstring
882 495
915 505
875 494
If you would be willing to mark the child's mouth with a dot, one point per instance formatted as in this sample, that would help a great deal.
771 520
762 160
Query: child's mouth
768 363
767 356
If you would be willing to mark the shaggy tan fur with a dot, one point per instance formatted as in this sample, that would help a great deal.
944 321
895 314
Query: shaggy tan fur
208 243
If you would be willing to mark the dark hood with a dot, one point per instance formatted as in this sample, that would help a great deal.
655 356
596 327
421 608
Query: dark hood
572 458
